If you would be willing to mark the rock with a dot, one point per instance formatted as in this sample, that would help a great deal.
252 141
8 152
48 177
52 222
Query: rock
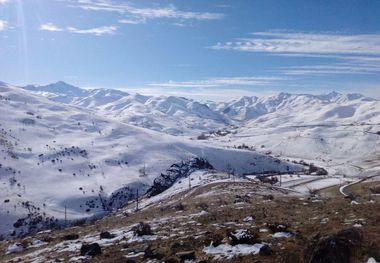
265 250
268 197
186 255
242 199
177 171
106 235
339 247
276 227
70 237
142 229
212 238
375 189
155 253
243 237
15 248
137 250
171 260
374 251
90 250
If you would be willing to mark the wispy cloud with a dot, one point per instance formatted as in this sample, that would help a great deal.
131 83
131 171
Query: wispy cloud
220 82
344 54
132 21
341 69
142 14
50 27
305 43
97 31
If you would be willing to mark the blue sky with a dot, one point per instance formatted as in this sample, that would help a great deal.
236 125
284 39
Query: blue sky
206 49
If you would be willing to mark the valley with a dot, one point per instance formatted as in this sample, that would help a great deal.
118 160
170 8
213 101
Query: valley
81 161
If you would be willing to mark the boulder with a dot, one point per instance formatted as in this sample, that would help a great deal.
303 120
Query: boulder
276 227
339 247
90 250
142 229
243 237
106 235
186 255
70 237
265 250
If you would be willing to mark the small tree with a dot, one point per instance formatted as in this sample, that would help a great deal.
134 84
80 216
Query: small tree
142 171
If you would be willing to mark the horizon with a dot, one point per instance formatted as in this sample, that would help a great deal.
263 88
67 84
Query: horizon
213 50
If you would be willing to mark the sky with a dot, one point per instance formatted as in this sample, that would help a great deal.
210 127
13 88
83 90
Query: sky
194 48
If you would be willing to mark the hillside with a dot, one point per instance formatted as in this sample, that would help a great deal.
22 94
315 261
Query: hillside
226 221
55 156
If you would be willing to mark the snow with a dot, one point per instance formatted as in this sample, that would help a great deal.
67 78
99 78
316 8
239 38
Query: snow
248 219
82 156
282 235
372 260
226 251
121 133
15 248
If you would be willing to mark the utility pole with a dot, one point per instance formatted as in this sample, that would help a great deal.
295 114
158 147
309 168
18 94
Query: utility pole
137 199
65 216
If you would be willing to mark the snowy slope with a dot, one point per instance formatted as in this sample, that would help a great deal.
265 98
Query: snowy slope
338 131
54 155
169 114
299 108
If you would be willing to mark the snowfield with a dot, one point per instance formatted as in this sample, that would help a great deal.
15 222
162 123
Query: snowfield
91 151
55 156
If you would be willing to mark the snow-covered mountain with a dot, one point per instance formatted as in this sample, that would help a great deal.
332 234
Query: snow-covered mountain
338 131
169 114
302 108
54 155
181 116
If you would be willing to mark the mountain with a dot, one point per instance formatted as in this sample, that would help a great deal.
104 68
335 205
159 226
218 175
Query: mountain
337 131
332 106
55 156
181 116
169 114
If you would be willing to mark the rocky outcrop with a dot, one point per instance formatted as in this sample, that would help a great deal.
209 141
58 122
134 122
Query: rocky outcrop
176 171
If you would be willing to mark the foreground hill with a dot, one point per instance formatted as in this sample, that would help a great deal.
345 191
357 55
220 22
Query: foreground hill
221 221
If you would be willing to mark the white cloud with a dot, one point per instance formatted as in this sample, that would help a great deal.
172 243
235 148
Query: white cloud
342 69
4 2
97 31
305 43
356 54
132 21
50 27
220 82
3 25
145 13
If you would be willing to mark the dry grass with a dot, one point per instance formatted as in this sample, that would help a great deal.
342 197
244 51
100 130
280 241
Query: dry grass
180 227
